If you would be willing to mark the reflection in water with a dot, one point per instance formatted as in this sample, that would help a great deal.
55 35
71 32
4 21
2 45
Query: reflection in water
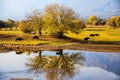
60 67
19 52
37 63
53 65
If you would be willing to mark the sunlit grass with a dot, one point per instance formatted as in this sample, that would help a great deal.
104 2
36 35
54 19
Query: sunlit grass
57 42
32 42
11 32
24 42
105 34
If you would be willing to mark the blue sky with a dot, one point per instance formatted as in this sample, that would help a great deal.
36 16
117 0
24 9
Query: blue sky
17 9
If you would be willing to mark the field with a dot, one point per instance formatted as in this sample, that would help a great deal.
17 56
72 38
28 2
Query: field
106 35
107 40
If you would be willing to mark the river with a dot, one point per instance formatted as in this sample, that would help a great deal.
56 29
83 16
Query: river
86 65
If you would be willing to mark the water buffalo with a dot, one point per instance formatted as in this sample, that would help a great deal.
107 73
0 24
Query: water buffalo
86 38
19 39
35 38
92 35
97 34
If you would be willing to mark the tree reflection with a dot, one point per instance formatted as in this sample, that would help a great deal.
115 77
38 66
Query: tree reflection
36 64
60 67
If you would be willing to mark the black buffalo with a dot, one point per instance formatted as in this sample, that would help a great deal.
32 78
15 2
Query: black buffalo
97 34
35 38
86 38
92 35
19 39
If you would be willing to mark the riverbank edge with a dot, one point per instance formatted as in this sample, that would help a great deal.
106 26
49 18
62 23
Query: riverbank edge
67 46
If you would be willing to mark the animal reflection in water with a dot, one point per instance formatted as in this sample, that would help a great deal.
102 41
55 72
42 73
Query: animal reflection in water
60 67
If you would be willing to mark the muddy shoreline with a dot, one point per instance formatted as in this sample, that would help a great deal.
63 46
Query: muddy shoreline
67 46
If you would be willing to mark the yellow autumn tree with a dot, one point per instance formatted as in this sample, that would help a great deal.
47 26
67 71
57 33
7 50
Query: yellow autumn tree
25 26
59 19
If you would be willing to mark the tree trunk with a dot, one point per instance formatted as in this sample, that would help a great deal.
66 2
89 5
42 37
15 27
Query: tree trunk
6 29
39 32
60 34
11 28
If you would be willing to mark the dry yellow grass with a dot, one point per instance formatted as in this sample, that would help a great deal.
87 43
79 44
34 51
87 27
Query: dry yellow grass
105 34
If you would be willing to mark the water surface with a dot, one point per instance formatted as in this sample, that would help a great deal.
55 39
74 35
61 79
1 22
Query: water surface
93 66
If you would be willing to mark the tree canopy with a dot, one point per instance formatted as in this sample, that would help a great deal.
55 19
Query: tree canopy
2 24
92 20
115 22
36 19
59 19
10 23
25 26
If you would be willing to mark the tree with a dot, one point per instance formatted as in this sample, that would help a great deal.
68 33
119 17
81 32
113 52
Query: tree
114 21
26 26
92 20
59 19
2 24
77 26
16 24
117 21
36 20
101 21
10 23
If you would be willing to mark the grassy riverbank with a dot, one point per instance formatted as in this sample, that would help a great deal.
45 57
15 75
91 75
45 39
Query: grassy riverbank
108 40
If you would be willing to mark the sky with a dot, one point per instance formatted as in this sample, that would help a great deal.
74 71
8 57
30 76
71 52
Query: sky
17 9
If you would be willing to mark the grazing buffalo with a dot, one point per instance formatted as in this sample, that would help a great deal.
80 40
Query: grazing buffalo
92 35
97 34
35 38
86 38
19 39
